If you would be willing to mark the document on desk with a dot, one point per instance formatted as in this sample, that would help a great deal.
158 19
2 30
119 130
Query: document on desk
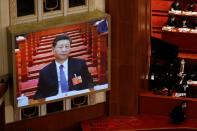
191 82
75 92
55 97
70 93
101 87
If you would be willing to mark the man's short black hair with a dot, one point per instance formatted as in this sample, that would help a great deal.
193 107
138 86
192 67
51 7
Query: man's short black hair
61 37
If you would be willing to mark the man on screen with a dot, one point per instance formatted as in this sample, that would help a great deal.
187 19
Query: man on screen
63 74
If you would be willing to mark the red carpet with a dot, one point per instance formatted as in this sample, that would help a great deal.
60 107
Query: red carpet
136 122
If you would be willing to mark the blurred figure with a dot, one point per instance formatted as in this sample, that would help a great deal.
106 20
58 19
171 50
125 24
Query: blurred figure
172 21
185 23
191 6
178 114
176 5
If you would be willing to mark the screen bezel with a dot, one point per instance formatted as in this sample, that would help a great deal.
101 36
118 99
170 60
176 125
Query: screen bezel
54 23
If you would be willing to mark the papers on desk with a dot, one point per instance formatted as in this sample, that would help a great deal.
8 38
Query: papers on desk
184 29
55 97
76 92
193 30
168 28
180 94
101 87
179 12
186 12
192 82
72 93
194 13
175 12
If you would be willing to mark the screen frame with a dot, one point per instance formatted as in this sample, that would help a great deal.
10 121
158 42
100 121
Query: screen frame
16 30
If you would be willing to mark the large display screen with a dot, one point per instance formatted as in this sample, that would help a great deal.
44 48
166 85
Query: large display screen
38 78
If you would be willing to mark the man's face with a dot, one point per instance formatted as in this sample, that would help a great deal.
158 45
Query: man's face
62 50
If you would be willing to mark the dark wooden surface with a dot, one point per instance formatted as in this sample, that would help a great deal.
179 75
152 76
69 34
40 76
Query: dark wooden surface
159 15
151 104
129 59
186 42
60 121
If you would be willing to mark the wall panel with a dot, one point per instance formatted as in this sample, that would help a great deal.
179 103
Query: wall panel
130 45
159 13
4 22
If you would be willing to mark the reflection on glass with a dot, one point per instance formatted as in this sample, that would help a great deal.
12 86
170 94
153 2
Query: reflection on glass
54 107
29 112
25 7
79 101
74 3
51 5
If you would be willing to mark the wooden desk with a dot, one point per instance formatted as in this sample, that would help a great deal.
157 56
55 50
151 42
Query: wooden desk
68 95
186 41
151 104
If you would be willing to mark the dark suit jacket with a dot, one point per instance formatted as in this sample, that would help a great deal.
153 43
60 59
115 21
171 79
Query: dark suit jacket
48 79
176 7
172 22
178 114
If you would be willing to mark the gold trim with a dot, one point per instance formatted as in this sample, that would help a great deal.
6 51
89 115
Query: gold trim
14 19
13 12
